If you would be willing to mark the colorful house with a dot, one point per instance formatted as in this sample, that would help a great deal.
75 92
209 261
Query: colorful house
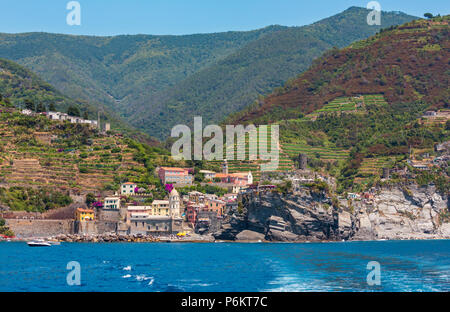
215 205
161 208
84 214
238 178
138 212
177 176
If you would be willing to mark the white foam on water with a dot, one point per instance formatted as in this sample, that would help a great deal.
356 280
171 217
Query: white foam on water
127 268
143 277
126 276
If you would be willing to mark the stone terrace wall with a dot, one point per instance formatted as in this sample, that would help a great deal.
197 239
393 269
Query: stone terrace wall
39 228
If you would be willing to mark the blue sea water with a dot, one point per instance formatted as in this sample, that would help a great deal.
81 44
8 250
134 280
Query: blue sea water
223 267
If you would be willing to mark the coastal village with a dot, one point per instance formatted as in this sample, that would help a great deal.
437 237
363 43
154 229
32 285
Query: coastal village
131 213
177 214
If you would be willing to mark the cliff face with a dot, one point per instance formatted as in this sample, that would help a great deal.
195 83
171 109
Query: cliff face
417 213
393 214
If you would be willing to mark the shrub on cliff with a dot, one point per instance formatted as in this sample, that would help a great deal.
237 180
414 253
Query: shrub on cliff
37 200
4 230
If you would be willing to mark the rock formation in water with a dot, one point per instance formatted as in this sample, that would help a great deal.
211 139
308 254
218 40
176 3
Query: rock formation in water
414 213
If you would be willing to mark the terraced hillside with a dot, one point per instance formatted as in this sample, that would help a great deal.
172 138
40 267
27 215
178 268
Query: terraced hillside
373 167
346 105
284 163
404 63
329 154
400 73
36 152
323 149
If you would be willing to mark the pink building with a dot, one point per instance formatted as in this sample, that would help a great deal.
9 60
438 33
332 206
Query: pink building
238 178
180 176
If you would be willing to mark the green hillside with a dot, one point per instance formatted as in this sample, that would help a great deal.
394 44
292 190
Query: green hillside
359 109
20 85
22 88
155 82
123 72
258 68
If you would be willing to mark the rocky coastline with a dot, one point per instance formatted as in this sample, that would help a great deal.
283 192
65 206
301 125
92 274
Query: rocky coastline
413 213
116 238
304 215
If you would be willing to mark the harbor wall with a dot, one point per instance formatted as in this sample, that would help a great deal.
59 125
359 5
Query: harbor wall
24 228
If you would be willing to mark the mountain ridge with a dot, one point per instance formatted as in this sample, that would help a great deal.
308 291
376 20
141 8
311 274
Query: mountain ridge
144 78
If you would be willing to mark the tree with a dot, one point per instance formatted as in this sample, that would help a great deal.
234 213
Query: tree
51 107
29 104
90 199
73 111
85 115
428 15
40 108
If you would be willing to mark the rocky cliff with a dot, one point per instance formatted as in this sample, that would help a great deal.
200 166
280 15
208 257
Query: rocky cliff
414 213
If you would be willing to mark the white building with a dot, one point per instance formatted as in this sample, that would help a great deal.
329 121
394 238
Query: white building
209 175
27 112
72 119
112 203
128 188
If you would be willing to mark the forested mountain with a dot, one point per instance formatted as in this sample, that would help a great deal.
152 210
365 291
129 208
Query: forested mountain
22 88
258 68
155 82
119 70
405 63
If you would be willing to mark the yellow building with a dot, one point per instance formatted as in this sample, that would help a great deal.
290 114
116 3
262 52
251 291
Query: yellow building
84 215
160 208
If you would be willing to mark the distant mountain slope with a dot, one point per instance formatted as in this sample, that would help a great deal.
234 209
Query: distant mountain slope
257 69
155 82
407 63
120 70
19 85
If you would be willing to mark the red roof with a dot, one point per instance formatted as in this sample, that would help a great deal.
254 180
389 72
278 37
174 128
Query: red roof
174 169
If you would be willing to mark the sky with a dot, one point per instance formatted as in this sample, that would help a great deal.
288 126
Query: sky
177 17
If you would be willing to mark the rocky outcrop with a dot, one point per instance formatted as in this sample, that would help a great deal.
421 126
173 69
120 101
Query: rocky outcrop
283 218
414 213
408 213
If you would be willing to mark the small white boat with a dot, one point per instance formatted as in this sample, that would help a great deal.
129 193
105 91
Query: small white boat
39 243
